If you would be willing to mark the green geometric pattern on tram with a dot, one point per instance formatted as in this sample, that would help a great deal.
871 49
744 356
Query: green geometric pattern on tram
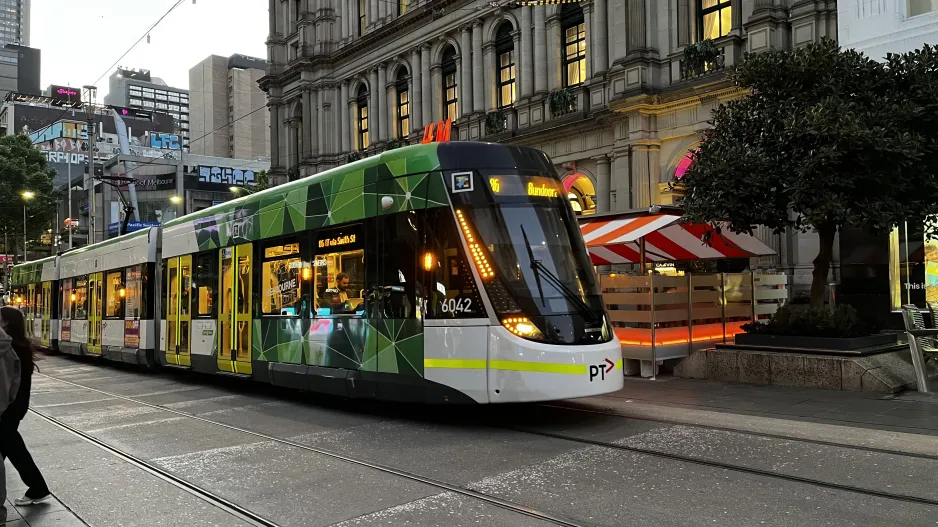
279 340
400 347
337 196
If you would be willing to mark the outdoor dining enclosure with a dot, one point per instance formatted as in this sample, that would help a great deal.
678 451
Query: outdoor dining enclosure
659 307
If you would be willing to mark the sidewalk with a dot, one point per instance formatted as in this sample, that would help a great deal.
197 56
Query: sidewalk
908 412
47 514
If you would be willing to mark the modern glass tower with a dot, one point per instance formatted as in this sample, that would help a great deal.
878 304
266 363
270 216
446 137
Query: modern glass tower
14 22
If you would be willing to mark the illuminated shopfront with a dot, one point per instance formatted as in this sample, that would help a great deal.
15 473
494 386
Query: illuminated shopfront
913 267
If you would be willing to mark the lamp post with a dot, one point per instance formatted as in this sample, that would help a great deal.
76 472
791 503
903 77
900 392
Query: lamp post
27 195
175 200
92 94
238 190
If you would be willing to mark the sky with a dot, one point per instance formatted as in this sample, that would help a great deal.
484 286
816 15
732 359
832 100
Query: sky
80 40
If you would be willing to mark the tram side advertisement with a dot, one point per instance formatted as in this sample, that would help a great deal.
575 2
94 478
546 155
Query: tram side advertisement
132 334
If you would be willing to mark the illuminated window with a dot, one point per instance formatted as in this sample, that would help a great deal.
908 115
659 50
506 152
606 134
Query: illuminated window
401 7
134 299
574 44
505 50
450 90
339 272
362 22
714 18
363 139
67 299
206 282
281 280
81 298
403 105
115 300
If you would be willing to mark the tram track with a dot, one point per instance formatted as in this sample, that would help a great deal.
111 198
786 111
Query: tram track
543 515
767 435
258 520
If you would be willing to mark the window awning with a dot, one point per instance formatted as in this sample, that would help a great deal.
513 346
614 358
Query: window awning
616 239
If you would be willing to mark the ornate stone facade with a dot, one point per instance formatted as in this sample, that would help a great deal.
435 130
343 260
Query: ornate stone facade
598 84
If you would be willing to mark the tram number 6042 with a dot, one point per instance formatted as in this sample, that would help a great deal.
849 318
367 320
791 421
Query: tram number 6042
456 305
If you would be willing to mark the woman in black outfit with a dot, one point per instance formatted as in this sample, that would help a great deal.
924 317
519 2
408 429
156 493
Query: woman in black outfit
11 442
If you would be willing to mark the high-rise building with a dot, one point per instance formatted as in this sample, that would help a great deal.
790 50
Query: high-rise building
138 89
224 97
14 22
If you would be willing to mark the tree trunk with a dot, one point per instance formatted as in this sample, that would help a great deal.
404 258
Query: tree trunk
822 264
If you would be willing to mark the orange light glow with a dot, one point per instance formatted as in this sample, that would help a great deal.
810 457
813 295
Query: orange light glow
678 335
122 292
73 297
478 256
307 273
520 326
429 261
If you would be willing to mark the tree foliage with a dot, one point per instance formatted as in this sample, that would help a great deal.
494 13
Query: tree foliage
23 168
825 138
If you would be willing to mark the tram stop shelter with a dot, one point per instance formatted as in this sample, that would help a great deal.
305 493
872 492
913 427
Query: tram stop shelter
660 305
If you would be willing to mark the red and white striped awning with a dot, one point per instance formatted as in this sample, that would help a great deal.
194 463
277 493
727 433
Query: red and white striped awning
616 240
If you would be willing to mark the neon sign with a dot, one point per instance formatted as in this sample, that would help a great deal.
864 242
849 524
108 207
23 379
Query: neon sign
439 133
63 91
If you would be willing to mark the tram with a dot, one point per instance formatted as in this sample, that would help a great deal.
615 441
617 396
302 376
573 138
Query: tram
437 273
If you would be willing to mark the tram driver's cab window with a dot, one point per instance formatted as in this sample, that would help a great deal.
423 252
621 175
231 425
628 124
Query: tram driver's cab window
339 272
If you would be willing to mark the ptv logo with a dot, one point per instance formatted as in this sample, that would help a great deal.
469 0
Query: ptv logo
600 370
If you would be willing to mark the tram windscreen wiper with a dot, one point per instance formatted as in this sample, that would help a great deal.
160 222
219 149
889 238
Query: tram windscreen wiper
537 277
555 281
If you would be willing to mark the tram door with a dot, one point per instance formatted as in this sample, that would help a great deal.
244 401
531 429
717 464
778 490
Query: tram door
178 310
234 317
30 312
94 313
45 337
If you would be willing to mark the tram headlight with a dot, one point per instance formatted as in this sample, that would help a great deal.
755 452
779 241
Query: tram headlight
522 327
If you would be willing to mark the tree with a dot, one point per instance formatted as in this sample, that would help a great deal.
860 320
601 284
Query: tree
23 168
825 138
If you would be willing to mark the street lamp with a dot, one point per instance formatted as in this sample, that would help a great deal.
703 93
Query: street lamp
175 200
238 190
27 195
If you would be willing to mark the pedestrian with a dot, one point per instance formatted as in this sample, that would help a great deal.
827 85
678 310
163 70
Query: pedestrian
11 442
10 378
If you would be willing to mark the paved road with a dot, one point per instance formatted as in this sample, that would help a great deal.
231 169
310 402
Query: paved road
585 468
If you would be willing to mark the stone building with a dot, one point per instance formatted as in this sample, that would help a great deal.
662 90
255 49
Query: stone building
597 84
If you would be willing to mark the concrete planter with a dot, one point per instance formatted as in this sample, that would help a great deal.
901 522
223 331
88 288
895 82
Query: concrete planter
818 343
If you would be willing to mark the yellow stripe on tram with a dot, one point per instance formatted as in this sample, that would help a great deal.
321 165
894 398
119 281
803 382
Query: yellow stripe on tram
509 365
454 364
539 367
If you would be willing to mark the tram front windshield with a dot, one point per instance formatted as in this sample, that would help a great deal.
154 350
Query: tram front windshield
540 269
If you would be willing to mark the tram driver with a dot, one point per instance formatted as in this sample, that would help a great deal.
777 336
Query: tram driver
337 297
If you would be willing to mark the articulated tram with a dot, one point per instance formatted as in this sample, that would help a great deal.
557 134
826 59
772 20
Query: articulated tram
440 273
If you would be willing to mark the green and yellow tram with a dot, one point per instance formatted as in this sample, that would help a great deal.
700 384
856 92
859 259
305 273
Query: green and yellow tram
441 272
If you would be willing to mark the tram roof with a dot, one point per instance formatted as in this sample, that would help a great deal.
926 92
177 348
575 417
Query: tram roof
29 272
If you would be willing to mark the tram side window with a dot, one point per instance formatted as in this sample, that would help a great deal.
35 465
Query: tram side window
448 287
281 279
134 301
339 272
401 245
206 280
67 298
80 303
115 292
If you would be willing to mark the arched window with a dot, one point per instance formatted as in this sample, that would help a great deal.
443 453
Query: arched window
573 30
363 140
714 18
403 104
505 50
361 17
450 90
